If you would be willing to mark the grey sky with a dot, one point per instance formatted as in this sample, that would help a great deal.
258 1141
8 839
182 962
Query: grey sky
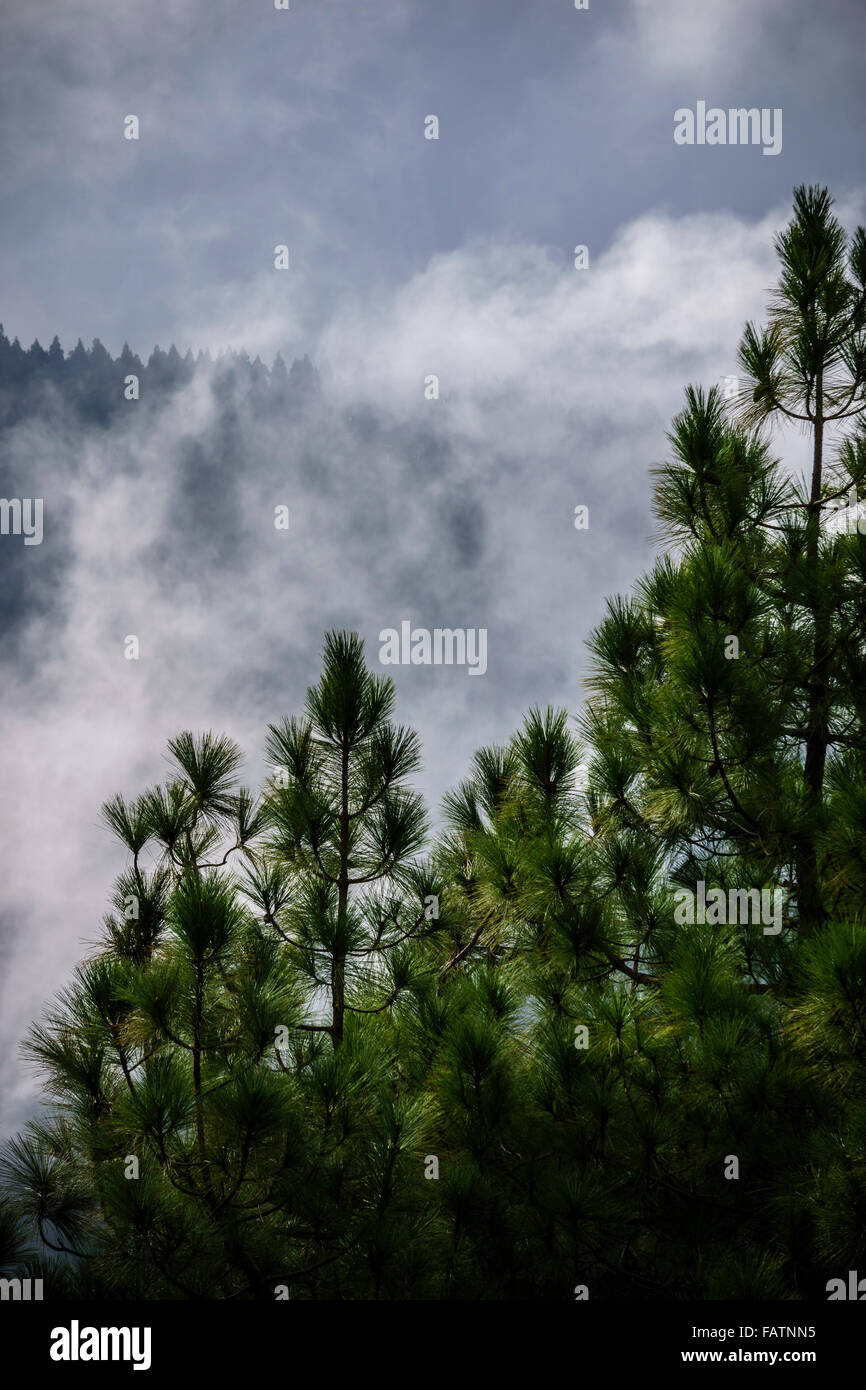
306 127
408 257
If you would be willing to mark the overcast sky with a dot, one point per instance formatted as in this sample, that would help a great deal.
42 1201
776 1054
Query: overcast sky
408 257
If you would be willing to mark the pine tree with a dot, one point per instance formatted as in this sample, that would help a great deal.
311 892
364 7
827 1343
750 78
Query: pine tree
347 831
809 365
727 729
208 1138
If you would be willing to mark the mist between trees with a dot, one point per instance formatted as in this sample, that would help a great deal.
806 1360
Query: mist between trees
321 1053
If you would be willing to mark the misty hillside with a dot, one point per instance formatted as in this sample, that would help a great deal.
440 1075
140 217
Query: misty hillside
91 383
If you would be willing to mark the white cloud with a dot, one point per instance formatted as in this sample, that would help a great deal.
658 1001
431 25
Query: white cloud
681 39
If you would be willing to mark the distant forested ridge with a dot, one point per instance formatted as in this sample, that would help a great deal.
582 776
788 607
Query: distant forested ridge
68 419
92 382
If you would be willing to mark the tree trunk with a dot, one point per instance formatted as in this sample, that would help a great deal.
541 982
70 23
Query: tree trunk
338 966
809 902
